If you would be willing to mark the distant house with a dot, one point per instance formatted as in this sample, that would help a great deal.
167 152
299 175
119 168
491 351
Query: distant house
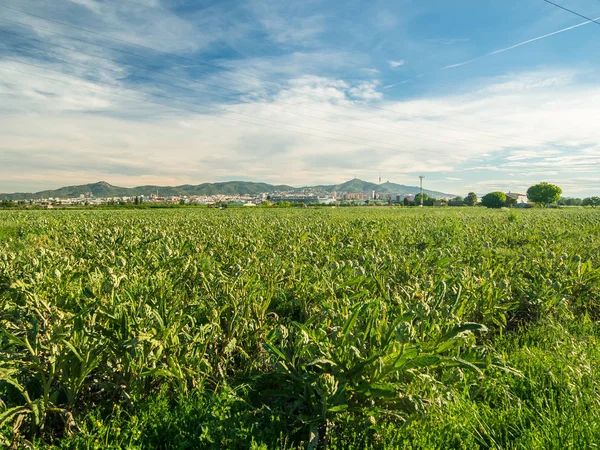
520 199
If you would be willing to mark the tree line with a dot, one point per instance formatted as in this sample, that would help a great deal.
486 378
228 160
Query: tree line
542 194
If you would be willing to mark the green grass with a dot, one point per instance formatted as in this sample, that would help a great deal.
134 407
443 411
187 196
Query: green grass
345 328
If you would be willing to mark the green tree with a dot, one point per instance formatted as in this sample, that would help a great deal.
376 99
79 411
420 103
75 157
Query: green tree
418 198
544 193
510 202
457 201
494 200
471 199
591 201
136 201
569 201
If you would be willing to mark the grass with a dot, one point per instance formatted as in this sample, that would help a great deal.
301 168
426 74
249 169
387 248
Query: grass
359 328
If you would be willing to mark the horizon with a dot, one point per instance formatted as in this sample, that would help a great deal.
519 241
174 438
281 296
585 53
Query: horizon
481 98
220 182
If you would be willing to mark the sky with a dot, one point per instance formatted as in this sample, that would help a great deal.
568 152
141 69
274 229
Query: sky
476 95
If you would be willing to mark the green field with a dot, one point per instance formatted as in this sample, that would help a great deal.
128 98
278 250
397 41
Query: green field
283 328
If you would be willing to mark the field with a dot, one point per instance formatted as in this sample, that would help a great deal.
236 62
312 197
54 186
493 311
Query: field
285 328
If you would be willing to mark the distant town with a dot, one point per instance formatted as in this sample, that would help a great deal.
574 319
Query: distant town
89 199
355 192
247 194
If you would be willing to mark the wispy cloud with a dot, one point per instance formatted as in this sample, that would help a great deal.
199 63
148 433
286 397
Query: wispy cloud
396 64
520 44
370 71
366 91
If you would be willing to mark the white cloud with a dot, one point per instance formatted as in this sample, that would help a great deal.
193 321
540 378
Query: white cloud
299 30
396 64
370 71
130 148
530 81
366 91
128 21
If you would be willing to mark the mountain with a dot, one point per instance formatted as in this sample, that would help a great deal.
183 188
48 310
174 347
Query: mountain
356 186
103 189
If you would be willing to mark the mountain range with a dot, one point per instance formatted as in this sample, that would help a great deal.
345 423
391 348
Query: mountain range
103 189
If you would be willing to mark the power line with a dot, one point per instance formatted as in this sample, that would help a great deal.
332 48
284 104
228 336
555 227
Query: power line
192 110
571 11
441 124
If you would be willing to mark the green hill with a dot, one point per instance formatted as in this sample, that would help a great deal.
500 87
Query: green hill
358 186
103 189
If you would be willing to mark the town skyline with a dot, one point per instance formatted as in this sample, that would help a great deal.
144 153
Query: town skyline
104 189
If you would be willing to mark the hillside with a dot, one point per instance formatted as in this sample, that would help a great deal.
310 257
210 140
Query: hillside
357 186
103 189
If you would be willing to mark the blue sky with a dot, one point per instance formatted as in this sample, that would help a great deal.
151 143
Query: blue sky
300 93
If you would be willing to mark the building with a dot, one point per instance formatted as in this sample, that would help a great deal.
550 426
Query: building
520 199
353 196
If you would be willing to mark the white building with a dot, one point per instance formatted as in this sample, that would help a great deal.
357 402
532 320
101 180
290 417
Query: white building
520 199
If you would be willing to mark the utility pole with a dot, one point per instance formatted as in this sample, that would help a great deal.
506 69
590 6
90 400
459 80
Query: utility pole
421 178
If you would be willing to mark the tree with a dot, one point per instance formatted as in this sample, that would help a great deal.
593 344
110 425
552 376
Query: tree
136 201
544 193
591 201
406 201
494 200
569 201
418 198
457 201
471 199
510 202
